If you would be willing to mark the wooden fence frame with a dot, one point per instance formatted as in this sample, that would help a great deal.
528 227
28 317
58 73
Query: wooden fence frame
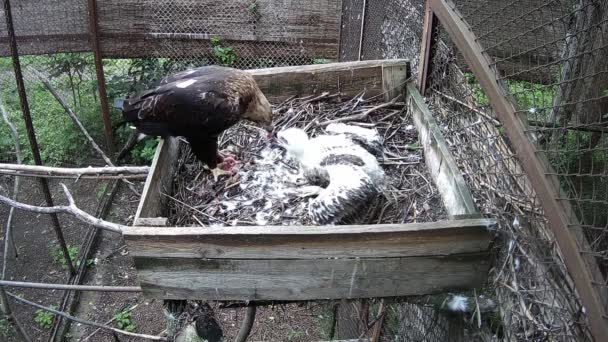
315 262
561 220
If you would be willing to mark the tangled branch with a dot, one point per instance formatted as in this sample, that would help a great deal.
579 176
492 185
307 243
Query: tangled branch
106 172
83 321
71 209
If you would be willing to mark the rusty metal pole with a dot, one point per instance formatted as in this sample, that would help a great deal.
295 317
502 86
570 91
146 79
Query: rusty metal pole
101 81
25 109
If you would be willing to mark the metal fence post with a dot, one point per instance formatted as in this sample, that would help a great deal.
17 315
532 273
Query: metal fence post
101 81
30 130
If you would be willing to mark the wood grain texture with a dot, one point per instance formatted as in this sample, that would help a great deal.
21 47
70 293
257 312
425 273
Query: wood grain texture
304 262
348 78
135 28
393 80
456 195
159 180
301 279
311 242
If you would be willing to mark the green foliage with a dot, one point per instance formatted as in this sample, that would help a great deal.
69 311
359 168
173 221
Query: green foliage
294 334
225 55
57 255
478 94
123 321
60 141
324 321
143 153
44 318
6 328
101 190
322 61
533 97
253 7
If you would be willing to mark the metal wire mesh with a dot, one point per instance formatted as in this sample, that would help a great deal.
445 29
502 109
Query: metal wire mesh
551 58
391 29
549 55
243 34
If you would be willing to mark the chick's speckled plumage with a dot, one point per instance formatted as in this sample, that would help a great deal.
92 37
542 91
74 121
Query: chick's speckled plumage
341 159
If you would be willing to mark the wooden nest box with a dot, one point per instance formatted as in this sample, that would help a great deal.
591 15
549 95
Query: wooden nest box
317 262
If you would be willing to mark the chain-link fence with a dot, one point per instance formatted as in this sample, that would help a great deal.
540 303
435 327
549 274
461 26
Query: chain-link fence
550 56
381 29
550 60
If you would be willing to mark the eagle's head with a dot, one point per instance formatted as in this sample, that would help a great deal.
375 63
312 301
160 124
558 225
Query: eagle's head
294 140
259 111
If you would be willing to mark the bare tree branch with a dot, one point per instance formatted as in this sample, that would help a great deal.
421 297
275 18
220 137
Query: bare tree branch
9 238
71 209
72 116
107 172
83 321
363 115
48 286
77 122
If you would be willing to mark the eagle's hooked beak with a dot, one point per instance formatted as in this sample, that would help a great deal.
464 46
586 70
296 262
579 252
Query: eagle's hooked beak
270 129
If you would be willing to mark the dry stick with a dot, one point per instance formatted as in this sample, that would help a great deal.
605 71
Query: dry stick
378 325
72 116
108 322
131 142
9 238
76 178
6 310
363 115
67 306
106 172
71 209
49 286
77 122
494 121
83 321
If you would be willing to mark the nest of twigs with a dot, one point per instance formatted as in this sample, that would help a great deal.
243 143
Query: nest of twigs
261 193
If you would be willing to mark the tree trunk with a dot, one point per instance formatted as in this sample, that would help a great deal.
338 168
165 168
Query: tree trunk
584 74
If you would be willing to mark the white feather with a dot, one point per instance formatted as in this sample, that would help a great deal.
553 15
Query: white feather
354 174
458 303
185 84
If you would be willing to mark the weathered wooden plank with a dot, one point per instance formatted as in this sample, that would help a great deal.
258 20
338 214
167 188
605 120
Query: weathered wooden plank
568 233
132 28
159 179
312 242
151 221
444 171
302 279
348 78
393 80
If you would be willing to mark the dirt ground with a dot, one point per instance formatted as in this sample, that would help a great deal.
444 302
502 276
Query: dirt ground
112 265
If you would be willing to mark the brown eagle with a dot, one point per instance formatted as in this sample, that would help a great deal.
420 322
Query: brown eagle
199 104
